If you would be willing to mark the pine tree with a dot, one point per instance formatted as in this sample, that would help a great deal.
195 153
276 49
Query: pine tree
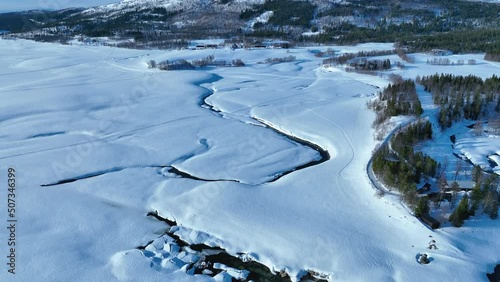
461 213
422 207
418 108
476 173
477 195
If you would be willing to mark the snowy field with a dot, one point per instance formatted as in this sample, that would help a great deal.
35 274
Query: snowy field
105 131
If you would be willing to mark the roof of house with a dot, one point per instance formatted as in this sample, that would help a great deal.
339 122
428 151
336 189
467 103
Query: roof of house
466 184
431 221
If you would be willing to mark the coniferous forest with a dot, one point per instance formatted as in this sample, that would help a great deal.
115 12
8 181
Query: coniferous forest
463 97
397 99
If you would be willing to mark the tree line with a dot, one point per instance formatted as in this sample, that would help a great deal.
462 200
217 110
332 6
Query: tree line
201 63
280 60
371 65
472 40
414 36
346 57
493 56
448 62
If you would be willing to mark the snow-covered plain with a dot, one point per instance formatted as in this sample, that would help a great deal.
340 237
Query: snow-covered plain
71 112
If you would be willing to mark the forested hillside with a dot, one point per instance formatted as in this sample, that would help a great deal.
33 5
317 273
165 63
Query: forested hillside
458 26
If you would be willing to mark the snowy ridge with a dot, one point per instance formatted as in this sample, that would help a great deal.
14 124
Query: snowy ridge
170 5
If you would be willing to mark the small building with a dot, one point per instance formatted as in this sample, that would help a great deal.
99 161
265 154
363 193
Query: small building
440 196
206 46
440 52
463 185
281 44
430 221
466 185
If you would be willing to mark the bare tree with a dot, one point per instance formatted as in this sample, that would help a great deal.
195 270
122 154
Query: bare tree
478 128
379 194
395 78
238 63
152 64
458 167
494 124
442 185
442 169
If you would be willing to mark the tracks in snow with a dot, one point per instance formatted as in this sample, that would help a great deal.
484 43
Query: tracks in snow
343 133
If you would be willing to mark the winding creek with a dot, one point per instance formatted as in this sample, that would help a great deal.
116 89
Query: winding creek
201 258
210 256
324 155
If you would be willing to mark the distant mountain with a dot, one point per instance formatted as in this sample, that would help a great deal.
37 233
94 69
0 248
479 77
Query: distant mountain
336 21
133 15
197 6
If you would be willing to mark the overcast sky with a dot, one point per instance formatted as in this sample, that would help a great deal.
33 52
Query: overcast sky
20 5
